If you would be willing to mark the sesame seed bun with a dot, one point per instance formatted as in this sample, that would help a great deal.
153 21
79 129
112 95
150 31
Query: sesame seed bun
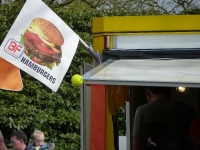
47 30
43 43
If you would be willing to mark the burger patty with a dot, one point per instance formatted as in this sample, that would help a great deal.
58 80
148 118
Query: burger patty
33 49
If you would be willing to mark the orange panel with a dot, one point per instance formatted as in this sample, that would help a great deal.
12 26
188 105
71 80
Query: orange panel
10 78
98 117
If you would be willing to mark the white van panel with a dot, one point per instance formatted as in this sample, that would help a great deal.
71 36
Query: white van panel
155 41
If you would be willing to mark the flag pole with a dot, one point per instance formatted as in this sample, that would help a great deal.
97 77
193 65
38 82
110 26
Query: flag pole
95 55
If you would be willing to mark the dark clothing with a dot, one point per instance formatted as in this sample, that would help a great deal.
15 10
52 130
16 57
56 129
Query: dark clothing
195 130
168 142
26 148
162 142
43 147
172 117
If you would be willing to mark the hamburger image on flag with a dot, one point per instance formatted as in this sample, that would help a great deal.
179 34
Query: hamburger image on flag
43 41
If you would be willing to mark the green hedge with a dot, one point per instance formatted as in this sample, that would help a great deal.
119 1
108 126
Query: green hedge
36 106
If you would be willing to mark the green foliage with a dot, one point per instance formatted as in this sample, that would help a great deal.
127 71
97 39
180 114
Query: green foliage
36 106
8 15
122 121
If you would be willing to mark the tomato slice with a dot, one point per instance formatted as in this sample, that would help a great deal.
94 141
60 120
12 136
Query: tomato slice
39 43
36 60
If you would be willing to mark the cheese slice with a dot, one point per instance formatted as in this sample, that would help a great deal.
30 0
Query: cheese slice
45 41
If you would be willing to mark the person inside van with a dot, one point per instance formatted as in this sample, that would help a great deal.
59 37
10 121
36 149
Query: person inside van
174 117
194 133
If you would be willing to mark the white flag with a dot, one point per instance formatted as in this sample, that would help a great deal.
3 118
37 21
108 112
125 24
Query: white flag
40 43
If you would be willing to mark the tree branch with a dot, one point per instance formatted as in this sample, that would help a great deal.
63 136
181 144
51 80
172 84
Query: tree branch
65 3
153 4
92 5
185 4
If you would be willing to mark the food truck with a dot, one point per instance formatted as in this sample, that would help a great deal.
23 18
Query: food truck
134 52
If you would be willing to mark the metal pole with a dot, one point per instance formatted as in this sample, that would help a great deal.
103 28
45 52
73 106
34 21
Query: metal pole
92 52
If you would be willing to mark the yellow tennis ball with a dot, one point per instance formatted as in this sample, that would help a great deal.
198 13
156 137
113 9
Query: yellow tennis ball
77 80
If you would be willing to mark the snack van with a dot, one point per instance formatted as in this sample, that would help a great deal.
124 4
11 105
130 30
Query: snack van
134 52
